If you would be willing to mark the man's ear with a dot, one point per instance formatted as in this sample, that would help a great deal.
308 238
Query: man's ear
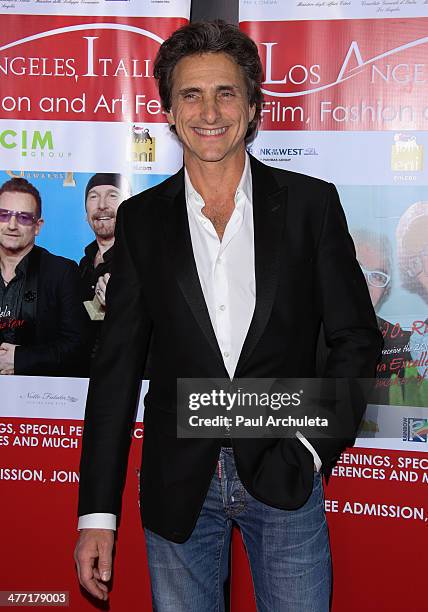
170 117
252 113
39 224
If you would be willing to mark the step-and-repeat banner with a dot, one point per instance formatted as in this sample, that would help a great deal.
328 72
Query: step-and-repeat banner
77 99
346 100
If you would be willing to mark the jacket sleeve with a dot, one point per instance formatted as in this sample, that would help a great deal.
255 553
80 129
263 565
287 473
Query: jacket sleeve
66 353
115 380
351 332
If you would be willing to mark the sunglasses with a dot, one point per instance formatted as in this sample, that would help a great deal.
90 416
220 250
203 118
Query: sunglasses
23 218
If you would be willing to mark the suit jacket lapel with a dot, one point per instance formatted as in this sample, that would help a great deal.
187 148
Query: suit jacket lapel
179 244
269 204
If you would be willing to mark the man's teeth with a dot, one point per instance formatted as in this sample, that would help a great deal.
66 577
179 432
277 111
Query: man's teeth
210 132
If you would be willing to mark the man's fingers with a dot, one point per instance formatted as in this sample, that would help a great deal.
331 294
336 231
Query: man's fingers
94 548
104 561
87 579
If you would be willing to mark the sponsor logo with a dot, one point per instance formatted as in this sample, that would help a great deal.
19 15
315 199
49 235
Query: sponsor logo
406 154
143 145
281 153
48 398
415 430
31 143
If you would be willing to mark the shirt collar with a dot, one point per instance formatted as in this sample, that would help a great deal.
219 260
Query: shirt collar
245 188
92 249
21 268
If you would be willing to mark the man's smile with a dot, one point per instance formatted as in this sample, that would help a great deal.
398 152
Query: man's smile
210 132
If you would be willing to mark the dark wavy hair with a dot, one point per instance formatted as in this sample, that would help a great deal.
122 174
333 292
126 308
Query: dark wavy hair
21 185
211 37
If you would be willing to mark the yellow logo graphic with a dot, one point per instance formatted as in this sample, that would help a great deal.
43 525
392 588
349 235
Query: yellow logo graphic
406 154
143 145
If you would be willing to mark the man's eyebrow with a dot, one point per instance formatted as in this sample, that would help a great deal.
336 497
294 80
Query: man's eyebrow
187 90
226 87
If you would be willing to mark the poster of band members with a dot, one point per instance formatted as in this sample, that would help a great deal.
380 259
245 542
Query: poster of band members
81 130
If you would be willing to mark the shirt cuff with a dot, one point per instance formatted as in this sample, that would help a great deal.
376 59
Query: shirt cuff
304 441
97 520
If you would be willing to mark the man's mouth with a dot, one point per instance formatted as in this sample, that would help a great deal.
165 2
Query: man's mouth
210 132
103 218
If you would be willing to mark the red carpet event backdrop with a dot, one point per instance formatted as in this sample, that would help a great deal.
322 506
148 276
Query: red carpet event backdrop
346 86
346 100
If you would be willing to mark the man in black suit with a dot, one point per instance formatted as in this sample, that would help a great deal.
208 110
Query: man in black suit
42 320
228 268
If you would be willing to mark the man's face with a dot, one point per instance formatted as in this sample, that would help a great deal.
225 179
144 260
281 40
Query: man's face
15 237
371 260
210 108
102 203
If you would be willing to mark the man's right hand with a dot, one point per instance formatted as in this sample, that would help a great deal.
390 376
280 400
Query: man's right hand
93 557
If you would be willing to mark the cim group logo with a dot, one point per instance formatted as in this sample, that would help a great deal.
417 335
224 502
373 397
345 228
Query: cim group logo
27 140
31 143
415 430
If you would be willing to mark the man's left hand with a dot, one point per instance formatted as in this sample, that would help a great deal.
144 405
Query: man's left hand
100 288
7 358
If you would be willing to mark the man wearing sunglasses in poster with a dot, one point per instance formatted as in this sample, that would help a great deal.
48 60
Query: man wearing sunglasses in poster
43 327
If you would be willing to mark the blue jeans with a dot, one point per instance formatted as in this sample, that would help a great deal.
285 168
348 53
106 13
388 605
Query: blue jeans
288 551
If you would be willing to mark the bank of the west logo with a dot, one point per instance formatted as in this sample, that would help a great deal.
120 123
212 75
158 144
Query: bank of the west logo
415 430
143 145
284 153
406 154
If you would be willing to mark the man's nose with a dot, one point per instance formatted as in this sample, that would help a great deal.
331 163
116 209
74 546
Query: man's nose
13 223
103 202
210 110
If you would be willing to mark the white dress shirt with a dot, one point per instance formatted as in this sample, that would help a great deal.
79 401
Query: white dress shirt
226 272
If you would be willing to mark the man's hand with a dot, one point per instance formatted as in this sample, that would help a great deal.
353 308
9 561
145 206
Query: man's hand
100 288
93 557
7 358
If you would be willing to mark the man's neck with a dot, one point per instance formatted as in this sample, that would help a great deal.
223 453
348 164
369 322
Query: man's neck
9 260
216 182
104 244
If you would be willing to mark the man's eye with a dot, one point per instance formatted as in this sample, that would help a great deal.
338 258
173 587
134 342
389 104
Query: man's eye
227 94
190 96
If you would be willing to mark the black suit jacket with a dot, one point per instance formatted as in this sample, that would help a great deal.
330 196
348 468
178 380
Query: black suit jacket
306 273
54 339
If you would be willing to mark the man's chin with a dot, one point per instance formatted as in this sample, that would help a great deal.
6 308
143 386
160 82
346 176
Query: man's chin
211 156
13 247
104 235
